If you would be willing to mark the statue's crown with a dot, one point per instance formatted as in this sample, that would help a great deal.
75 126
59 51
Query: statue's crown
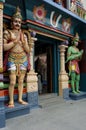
76 37
17 13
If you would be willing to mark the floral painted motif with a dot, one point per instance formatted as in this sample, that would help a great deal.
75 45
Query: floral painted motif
39 13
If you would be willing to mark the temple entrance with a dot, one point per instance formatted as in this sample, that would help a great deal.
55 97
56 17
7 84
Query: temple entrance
43 66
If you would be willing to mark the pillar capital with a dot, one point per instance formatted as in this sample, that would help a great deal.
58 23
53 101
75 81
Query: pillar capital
62 47
1 5
33 39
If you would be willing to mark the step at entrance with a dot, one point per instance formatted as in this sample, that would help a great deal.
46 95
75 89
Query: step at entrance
50 99
17 110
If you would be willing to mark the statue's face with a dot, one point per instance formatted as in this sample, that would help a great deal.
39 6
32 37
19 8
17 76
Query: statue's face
16 24
76 42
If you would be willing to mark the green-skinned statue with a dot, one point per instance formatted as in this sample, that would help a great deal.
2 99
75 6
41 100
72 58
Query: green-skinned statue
73 57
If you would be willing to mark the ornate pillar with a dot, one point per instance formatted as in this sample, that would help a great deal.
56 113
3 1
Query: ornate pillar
2 109
32 80
63 76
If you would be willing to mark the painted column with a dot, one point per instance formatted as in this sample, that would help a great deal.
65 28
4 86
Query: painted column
32 80
1 43
2 109
63 76
68 4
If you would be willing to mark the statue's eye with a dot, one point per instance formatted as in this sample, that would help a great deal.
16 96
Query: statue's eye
15 21
19 22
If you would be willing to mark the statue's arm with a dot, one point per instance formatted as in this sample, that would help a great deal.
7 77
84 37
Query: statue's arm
81 54
26 45
7 43
72 56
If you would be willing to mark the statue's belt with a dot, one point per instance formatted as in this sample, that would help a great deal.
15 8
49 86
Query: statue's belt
18 58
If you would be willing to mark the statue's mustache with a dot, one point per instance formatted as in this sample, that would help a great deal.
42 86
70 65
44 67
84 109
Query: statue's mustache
17 25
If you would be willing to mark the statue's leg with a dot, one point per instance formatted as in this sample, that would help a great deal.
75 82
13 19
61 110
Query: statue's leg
12 77
20 88
73 76
77 82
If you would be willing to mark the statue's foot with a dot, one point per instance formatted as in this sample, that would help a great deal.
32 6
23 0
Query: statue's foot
11 105
77 91
23 102
74 92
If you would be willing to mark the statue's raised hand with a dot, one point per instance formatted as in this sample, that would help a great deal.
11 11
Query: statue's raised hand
81 52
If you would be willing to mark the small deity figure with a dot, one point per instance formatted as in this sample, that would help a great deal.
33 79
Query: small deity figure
73 6
74 55
16 44
66 25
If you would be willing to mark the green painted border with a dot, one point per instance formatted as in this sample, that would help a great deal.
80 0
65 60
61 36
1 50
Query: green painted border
6 85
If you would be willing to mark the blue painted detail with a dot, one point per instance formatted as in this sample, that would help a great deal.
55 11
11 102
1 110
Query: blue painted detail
66 93
58 62
78 96
1 77
2 117
58 59
33 99
48 8
83 82
55 69
66 11
2 101
2 1
2 113
18 110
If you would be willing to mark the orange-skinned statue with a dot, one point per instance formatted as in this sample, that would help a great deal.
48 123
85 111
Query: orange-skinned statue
16 44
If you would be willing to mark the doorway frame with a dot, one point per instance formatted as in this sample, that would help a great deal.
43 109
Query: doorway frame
55 60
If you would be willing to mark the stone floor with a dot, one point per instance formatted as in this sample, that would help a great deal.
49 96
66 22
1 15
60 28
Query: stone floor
54 115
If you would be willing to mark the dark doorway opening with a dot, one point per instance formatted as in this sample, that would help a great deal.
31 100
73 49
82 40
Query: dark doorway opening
43 66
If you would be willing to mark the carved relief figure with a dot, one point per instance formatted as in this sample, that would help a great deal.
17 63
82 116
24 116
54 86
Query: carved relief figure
73 7
66 25
74 55
16 45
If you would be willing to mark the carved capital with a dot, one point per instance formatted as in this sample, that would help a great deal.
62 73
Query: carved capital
32 40
1 5
62 48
